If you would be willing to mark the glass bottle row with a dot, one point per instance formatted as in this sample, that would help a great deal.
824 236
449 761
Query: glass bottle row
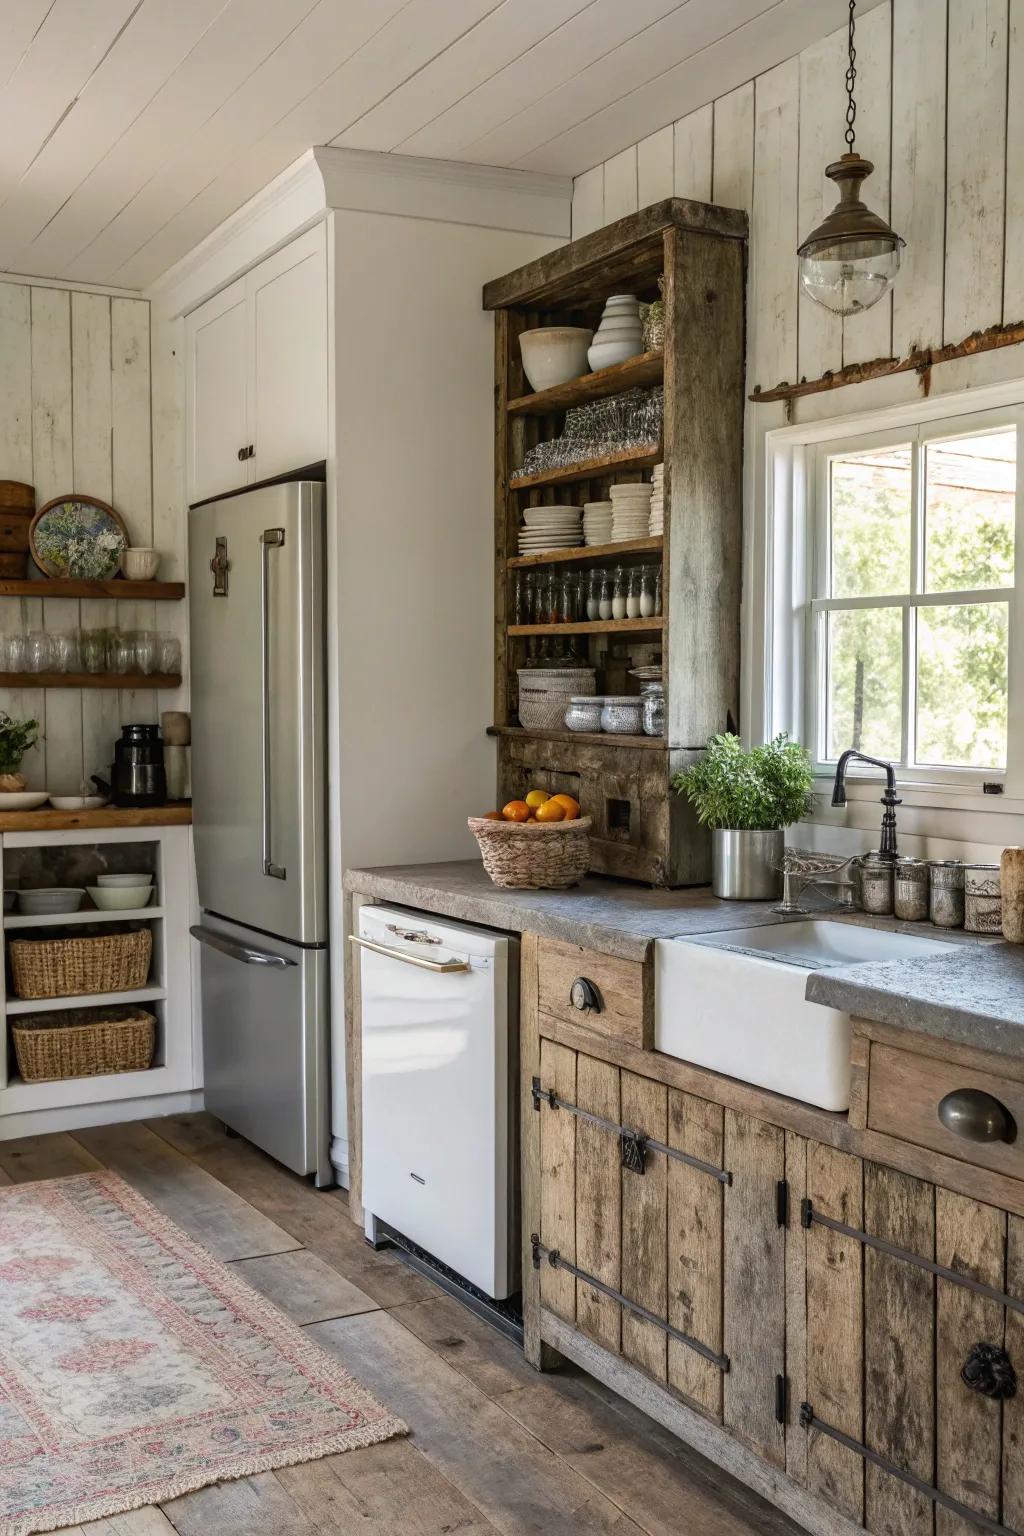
577 597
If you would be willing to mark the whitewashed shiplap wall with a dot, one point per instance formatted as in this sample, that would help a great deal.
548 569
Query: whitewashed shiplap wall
77 413
940 112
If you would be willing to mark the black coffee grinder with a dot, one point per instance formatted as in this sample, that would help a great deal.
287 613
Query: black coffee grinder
138 776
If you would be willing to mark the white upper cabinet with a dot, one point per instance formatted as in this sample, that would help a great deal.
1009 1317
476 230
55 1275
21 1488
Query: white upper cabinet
257 372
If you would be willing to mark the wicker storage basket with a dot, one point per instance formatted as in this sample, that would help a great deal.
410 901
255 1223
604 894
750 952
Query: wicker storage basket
75 967
544 694
533 855
83 1042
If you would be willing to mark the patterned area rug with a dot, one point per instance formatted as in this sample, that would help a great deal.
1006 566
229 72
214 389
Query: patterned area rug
135 1367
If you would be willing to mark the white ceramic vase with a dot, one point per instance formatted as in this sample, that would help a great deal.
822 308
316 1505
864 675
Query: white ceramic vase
620 334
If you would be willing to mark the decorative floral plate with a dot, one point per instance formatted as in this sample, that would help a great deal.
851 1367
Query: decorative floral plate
79 537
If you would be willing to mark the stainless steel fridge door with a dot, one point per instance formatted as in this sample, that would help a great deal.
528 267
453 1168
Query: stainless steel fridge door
265 1053
258 708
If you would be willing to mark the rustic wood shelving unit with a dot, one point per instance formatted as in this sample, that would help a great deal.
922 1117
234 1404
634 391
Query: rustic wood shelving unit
642 830
90 680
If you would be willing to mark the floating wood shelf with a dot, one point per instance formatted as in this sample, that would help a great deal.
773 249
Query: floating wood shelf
154 591
599 738
46 819
599 627
589 469
90 680
635 373
591 552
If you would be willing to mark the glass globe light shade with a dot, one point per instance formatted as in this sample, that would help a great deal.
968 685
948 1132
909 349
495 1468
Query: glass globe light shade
851 260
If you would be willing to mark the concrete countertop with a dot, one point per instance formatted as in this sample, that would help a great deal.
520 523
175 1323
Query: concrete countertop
612 916
974 996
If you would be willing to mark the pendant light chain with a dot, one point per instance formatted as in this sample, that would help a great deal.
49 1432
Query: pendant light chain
851 80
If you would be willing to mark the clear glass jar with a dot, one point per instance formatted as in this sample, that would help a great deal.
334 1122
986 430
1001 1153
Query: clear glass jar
120 651
547 599
607 600
92 648
145 651
648 598
568 593
169 655
38 651
594 595
633 593
657 592
620 588
64 651
653 700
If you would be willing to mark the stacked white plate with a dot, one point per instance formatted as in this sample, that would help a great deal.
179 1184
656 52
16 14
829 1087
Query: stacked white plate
549 528
597 522
657 523
631 512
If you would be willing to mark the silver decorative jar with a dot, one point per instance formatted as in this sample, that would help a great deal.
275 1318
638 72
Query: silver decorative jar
983 902
946 893
910 890
747 866
876 884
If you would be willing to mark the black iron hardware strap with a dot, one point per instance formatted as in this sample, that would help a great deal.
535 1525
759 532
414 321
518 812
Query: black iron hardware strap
809 1216
554 1258
809 1421
634 1144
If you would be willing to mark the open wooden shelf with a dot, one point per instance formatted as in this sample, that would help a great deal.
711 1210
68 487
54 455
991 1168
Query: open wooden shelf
635 373
580 553
52 586
599 738
589 469
73 919
594 627
90 680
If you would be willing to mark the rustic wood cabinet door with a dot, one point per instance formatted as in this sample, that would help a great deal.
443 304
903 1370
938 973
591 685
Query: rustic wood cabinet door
878 1343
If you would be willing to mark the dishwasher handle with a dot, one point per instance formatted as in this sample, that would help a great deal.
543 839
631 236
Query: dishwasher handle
444 967
243 952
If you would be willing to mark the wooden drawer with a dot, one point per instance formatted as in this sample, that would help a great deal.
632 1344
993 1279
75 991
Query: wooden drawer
623 989
904 1093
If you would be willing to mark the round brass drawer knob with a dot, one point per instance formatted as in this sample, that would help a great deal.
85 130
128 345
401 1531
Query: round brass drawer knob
976 1116
584 996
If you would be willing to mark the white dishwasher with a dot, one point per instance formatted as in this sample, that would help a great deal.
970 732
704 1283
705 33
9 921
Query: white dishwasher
439 1004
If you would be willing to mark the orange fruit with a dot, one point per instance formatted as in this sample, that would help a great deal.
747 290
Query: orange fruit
516 810
536 798
551 810
572 807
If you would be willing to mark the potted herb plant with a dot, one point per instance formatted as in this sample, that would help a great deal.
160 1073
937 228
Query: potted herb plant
16 738
748 798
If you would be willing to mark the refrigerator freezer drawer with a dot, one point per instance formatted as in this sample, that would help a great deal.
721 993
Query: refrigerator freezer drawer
265 1012
439 1032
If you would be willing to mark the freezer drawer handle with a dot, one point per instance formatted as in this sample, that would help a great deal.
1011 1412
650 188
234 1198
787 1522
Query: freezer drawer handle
443 966
270 538
239 951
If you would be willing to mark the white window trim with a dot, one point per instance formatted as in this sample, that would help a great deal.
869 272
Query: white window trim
779 552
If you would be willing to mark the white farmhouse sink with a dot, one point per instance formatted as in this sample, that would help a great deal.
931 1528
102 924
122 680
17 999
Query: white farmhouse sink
734 1001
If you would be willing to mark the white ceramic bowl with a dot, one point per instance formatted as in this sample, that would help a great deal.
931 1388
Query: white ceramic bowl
41 903
112 882
120 898
22 799
77 802
553 354
140 564
603 354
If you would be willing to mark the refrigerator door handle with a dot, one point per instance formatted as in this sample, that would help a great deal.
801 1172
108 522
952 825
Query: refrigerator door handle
270 538
243 952
445 967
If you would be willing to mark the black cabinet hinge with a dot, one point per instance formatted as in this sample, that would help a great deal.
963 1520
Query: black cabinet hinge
781 1399
535 1248
538 1093
806 1214
782 1203
633 1150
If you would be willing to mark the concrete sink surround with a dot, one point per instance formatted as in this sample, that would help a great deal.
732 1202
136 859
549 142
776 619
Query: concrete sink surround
735 1001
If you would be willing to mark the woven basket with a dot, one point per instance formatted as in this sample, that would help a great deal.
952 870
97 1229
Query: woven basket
109 962
533 855
544 694
83 1042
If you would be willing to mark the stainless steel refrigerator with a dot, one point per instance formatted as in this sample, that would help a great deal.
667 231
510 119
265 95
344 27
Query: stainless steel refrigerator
258 784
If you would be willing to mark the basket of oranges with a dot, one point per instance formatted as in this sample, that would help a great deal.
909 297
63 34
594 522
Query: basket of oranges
535 844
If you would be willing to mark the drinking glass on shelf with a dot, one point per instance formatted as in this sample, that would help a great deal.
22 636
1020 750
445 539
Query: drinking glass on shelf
38 651
146 650
12 651
92 648
169 655
120 651
64 650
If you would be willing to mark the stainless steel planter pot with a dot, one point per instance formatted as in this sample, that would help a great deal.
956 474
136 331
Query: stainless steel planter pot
747 866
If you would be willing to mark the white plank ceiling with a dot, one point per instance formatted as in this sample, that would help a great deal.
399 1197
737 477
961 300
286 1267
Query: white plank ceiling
130 128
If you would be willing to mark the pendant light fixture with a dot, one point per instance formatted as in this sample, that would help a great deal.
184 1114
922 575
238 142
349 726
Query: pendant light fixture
850 261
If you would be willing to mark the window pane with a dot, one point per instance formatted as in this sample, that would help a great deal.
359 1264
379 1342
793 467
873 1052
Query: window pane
970 491
870 500
865 677
961 684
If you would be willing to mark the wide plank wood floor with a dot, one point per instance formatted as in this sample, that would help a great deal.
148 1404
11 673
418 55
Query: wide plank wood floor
493 1446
